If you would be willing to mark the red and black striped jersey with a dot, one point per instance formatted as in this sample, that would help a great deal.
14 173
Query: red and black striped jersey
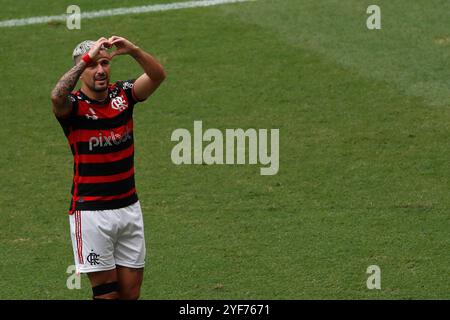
100 134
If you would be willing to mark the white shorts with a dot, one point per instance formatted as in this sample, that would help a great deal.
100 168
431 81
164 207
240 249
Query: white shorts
103 239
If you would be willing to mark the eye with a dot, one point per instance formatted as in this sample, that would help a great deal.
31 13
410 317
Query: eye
105 62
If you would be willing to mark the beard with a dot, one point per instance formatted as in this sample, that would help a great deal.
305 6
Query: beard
100 87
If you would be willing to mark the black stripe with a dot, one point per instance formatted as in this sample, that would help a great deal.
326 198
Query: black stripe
81 122
105 288
83 147
105 205
66 122
128 92
105 169
66 128
106 189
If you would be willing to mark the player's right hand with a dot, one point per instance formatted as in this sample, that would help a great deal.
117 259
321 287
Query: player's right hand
100 44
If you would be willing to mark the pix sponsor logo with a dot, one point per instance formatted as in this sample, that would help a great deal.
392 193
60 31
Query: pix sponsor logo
109 140
221 148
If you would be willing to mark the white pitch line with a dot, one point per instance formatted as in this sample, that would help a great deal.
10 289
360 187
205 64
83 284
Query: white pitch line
119 11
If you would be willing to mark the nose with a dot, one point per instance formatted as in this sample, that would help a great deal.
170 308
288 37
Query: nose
100 69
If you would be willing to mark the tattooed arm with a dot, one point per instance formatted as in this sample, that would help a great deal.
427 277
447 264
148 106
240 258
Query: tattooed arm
62 106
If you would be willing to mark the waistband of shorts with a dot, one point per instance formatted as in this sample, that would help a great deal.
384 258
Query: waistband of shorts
103 205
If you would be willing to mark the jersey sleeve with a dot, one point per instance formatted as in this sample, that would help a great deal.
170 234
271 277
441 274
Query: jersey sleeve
128 87
67 121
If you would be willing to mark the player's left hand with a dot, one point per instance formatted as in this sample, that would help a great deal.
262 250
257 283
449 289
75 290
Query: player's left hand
123 46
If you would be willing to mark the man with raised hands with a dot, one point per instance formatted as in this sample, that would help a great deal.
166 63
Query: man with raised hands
105 216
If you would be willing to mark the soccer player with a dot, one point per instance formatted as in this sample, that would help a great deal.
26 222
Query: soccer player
105 216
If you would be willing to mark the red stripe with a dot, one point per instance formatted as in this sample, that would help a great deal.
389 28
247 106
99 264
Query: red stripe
84 135
77 228
105 179
78 235
107 157
115 197
101 110
81 240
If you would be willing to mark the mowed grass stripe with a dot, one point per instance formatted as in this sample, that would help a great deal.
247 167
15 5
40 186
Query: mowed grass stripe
119 11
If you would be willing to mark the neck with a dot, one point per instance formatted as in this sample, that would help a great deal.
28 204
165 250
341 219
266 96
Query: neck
94 95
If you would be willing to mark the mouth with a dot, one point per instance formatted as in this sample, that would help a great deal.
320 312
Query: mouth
100 78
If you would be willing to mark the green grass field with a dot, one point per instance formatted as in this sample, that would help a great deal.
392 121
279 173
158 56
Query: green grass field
364 150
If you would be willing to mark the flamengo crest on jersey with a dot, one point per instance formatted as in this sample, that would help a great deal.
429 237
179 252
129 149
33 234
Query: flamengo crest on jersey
100 134
119 103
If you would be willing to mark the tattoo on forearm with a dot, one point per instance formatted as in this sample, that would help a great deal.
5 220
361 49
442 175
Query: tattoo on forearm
68 81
